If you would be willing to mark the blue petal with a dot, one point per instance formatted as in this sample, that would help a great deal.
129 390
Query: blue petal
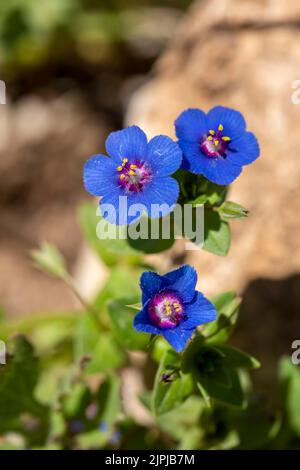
233 121
150 284
128 143
199 311
246 149
99 175
191 125
164 155
160 196
177 337
117 207
220 170
192 156
183 281
142 323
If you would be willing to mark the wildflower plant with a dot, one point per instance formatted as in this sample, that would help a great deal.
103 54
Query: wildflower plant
63 385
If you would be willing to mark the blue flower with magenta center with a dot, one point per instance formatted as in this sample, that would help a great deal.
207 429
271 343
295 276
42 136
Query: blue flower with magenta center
216 144
136 172
172 307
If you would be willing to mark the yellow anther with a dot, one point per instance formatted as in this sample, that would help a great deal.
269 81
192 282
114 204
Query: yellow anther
212 132
225 138
220 128
119 168
133 166
131 173
216 142
125 160
209 137
177 309
122 177
176 304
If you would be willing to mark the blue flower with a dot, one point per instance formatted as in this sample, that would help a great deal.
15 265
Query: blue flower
137 170
172 307
215 144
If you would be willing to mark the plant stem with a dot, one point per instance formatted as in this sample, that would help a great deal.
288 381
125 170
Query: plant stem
87 306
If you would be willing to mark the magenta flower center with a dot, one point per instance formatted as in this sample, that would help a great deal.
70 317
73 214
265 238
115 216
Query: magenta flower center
215 143
166 310
134 176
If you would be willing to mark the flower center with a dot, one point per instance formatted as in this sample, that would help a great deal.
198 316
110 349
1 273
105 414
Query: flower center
166 310
215 144
133 176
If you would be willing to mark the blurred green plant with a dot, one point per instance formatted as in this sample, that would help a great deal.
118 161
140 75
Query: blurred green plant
60 388
33 33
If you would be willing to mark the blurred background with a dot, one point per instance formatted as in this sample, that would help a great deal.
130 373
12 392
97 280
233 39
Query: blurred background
77 69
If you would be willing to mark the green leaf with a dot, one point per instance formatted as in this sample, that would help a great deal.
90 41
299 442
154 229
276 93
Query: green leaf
214 375
105 354
109 250
227 306
167 396
230 395
217 234
237 358
137 306
150 245
289 376
108 397
50 260
231 210
122 320
183 418
209 193
123 280
18 379
92 439
76 400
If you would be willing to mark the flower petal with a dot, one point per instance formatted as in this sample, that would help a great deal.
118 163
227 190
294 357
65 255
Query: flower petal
130 143
246 149
177 337
99 175
142 323
232 121
191 125
115 207
164 155
200 311
160 196
219 170
183 281
150 284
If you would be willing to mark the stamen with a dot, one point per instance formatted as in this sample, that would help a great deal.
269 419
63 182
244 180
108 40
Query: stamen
131 173
125 160
209 137
226 138
119 168
122 177
220 128
133 166
212 132
216 143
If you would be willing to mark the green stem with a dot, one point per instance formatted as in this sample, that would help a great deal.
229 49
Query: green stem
87 306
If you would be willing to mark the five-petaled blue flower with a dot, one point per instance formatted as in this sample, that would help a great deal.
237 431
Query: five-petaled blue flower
215 144
172 307
137 170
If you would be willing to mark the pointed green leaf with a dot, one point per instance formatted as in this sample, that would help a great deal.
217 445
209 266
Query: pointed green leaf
122 321
167 396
